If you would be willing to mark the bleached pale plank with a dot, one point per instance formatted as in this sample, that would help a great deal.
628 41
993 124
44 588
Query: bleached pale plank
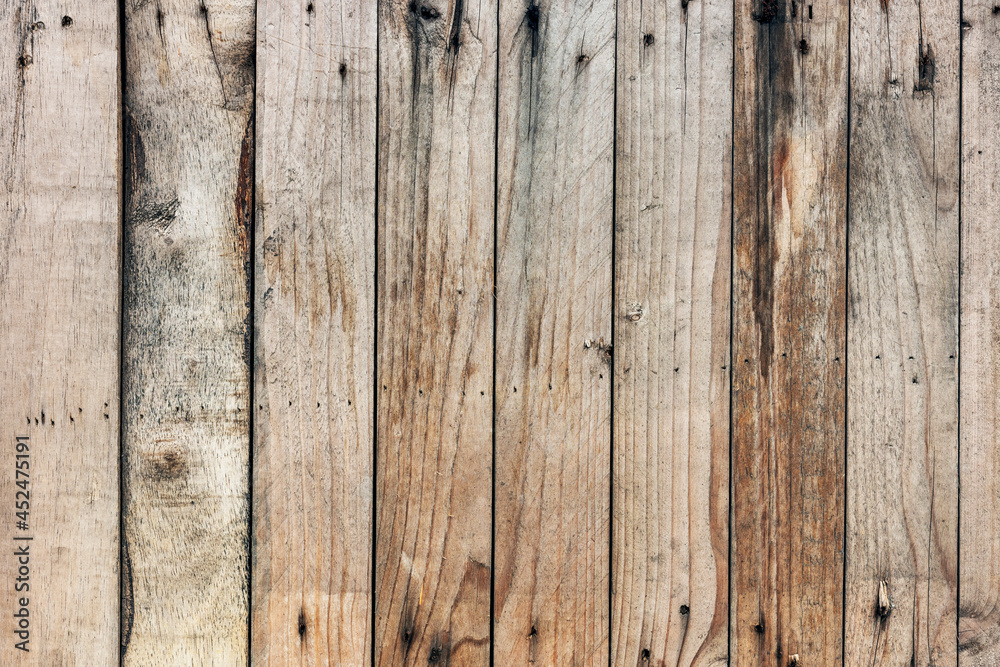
902 439
59 330
673 250
314 350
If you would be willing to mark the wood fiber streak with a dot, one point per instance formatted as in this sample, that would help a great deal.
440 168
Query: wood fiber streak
902 438
186 340
60 219
314 321
554 351
979 604
437 97
672 334
789 288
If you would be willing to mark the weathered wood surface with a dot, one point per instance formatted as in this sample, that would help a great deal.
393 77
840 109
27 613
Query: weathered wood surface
188 189
672 334
437 95
789 280
59 327
902 432
314 349
554 332
979 607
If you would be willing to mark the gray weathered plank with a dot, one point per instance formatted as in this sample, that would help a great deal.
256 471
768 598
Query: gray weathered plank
186 338
902 439
789 288
314 348
979 606
437 96
554 356
59 327
673 249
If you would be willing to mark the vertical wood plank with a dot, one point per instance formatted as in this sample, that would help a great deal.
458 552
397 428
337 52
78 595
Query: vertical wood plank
672 334
188 207
979 607
314 350
59 323
554 355
437 97
902 440
790 159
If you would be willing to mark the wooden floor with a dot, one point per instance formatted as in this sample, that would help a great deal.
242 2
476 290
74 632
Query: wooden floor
500 333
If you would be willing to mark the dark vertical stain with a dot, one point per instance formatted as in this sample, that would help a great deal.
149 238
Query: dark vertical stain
215 58
775 41
532 18
135 162
301 626
925 68
244 220
127 600
454 43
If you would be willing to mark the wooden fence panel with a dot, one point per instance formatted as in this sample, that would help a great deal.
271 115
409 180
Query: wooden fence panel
59 326
789 280
902 434
670 600
189 95
315 337
554 332
437 119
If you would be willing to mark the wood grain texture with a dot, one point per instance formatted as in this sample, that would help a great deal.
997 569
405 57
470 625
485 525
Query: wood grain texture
186 349
902 437
672 334
315 337
437 96
59 323
554 355
789 279
979 604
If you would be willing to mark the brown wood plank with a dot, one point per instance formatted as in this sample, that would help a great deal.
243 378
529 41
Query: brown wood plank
790 160
186 349
314 350
672 334
554 356
437 96
59 323
979 608
902 439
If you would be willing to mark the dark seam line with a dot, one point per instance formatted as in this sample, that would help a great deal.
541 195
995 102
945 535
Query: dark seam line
958 351
493 429
846 353
732 332
374 431
122 198
847 306
611 381
252 352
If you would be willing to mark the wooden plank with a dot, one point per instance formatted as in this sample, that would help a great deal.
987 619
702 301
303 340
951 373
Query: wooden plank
59 323
437 96
188 206
790 160
902 439
672 333
979 612
554 356
314 352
